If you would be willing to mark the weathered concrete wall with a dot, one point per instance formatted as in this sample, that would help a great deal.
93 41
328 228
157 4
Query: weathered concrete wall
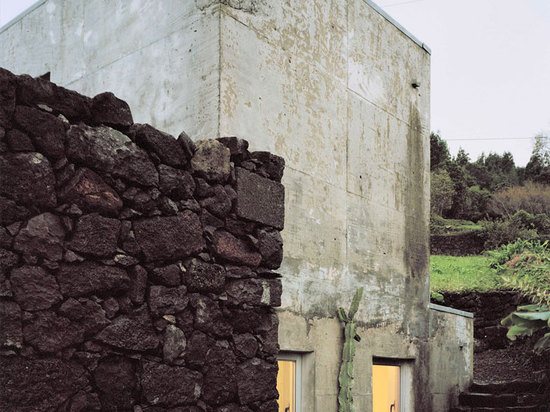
451 355
326 85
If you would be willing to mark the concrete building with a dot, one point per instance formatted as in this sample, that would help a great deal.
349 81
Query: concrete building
342 92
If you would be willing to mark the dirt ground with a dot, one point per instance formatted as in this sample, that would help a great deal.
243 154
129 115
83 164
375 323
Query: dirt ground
515 362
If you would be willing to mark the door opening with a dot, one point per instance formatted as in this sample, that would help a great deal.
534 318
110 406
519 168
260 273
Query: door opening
386 388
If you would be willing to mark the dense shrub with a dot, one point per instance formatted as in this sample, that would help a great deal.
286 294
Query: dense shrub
442 191
533 198
501 232
525 267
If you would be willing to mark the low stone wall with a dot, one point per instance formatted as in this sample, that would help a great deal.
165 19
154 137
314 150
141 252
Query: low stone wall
464 244
136 270
489 308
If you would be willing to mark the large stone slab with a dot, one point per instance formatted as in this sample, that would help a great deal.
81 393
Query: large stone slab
37 91
256 381
260 199
85 278
171 237
28 179
108 150
34 385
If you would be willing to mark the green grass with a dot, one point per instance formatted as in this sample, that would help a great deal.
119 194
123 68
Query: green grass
463 273
442 226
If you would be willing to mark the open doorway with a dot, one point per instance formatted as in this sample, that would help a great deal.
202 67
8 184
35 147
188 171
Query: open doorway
392 385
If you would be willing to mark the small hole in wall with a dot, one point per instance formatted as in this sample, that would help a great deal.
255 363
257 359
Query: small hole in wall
360 177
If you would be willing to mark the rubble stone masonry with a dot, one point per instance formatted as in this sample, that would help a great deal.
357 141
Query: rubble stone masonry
136 269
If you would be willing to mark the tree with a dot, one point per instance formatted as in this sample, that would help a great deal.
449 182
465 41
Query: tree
442 192
462 158
439 152
538 167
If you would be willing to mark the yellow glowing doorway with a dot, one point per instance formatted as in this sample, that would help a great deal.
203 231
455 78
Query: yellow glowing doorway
286 385
385 388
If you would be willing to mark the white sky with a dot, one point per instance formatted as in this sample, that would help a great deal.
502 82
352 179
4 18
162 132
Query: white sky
490 68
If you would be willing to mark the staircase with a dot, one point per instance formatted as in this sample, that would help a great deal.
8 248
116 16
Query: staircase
517 395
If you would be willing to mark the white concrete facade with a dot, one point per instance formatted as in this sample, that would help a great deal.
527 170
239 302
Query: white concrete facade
327 84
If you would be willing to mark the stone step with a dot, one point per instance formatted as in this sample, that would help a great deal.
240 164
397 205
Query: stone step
523 408
476 399
515 386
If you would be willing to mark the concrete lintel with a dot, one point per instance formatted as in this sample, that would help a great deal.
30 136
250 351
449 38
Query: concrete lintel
398 26
21 15
446 309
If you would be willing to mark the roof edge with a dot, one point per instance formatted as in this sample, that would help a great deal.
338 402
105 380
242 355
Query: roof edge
21 15
402 29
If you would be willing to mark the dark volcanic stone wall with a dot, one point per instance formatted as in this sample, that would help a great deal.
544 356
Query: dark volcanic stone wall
136 270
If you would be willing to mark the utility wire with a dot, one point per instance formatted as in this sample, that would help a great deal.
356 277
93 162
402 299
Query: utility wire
401 3
489 138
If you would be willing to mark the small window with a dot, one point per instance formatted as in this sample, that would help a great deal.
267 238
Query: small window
289 383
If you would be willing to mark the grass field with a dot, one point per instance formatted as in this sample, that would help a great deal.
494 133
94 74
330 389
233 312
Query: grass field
461 273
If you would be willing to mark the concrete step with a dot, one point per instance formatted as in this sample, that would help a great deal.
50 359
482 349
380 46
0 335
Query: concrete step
476 399
523 408
515 386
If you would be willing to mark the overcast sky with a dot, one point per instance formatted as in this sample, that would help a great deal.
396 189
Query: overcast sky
490 68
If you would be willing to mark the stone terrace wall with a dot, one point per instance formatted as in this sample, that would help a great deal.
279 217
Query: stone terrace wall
135 269
489 308
462 244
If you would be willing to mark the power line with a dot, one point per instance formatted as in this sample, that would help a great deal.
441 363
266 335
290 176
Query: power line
401 3
488 138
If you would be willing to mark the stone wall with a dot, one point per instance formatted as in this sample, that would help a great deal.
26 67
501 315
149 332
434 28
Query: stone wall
136 270
462 244
489 308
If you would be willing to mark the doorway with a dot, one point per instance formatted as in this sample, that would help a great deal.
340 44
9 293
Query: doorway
386 388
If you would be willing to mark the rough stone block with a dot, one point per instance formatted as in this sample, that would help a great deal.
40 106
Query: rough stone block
37 91
167 301
235 250
8 259
108 150
257 381
7 97
270 246
34 288
19 142
165 385
111 111
260 199
80 279
133 332
172 237
174 343
47 131
11 332
49 333
204 277
211 161
220 384
115 377
269 164
162 144
90 193
168 275
176 183
28 179
95 235
53 381
43 236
